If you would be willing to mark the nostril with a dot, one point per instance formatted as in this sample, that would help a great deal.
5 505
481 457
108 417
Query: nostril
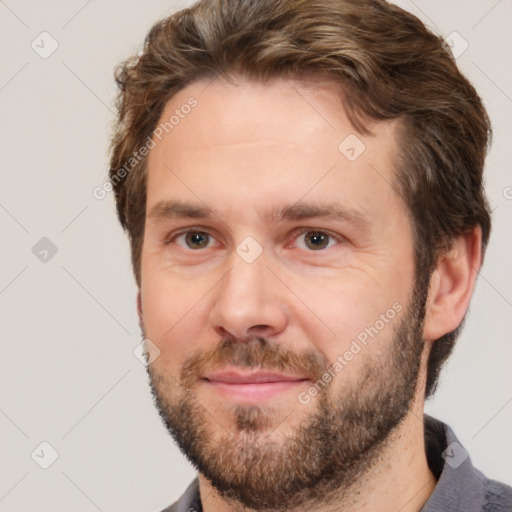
222 332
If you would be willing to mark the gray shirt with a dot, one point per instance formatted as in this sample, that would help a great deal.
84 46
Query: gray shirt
460 487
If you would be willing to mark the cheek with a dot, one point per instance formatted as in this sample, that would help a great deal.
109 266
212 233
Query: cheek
345 309
174 313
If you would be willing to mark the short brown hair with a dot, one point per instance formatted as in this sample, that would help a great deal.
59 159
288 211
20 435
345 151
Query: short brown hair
388 65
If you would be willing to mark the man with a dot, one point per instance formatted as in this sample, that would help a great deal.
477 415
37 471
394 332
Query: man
301 182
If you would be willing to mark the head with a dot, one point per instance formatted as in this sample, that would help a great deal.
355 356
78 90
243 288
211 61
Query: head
288 172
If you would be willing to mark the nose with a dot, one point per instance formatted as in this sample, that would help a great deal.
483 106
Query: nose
248 302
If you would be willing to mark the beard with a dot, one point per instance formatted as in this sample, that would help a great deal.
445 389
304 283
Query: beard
317 461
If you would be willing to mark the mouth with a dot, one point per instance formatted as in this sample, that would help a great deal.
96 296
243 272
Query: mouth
252 387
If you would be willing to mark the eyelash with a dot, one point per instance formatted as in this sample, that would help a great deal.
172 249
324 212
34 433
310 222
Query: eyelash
296 234
169 239
300 232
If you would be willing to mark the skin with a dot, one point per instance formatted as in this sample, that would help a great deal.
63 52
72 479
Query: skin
247 151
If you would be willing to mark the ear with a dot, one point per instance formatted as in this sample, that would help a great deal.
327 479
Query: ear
452 285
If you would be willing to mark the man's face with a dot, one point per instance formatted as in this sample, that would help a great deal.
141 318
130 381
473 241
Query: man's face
274 242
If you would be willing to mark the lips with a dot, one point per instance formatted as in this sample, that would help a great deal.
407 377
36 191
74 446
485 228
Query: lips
234 377
252 387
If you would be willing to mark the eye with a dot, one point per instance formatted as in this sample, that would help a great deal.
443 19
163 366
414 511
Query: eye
194 240
315 240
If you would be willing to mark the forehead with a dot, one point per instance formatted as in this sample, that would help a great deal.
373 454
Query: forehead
261 140
281 110
245 111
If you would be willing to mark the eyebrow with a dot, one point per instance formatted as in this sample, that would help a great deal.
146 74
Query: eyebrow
177 209
305 211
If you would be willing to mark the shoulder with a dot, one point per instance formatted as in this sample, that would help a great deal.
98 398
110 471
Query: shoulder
498 497
460 486
189 501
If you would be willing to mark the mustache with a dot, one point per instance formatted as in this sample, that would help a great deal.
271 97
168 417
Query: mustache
255 352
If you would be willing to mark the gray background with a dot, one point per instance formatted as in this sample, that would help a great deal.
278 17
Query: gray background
69 326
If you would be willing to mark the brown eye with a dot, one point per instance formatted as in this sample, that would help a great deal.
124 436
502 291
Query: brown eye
197 239
316 240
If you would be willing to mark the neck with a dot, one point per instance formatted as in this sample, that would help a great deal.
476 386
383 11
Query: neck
399 480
